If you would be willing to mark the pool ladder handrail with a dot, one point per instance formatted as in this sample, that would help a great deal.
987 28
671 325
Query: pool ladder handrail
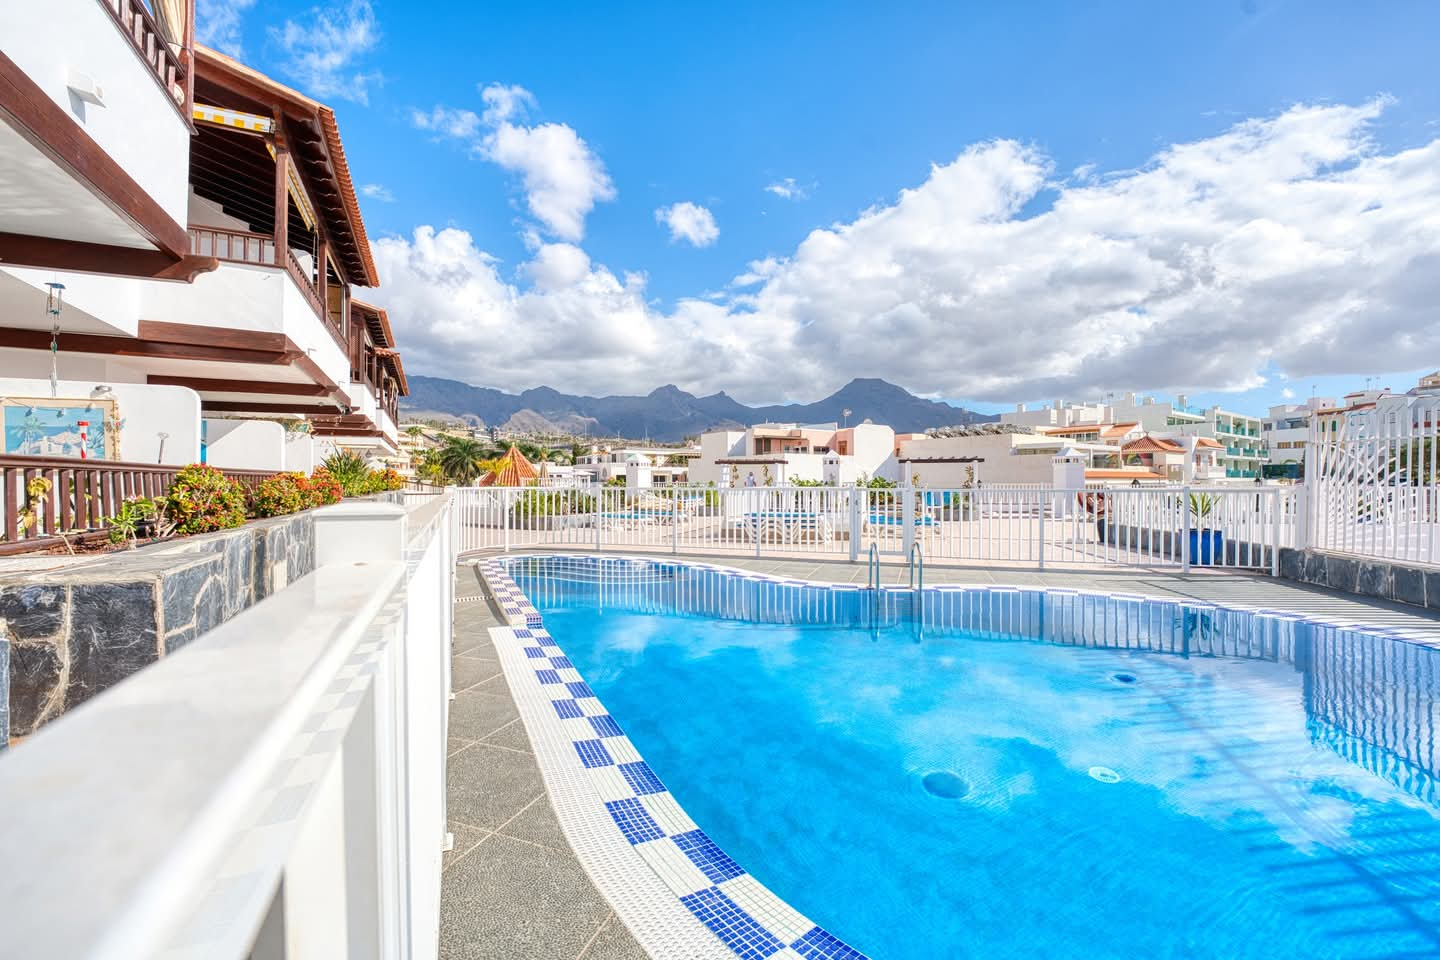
917 565
872 580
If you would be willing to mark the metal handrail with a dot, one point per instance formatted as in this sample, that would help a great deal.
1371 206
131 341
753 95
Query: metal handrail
872 578
917 564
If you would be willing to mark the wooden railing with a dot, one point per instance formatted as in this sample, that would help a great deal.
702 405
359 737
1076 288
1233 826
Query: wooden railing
167 66
82 495
307 287
258 249
237 246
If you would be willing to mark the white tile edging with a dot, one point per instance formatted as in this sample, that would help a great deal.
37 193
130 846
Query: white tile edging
647 883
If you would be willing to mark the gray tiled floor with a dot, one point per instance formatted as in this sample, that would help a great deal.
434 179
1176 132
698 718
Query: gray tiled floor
512 887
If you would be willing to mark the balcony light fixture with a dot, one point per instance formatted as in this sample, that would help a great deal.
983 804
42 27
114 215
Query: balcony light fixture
54 300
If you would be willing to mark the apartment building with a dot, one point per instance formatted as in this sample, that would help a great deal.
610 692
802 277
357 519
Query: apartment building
784 452
1241 452
179 252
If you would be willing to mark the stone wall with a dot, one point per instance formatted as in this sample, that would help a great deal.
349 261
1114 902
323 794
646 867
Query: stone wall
68 633
1384 579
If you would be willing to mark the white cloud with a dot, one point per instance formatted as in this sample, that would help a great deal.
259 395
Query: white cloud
504 103
562 177
689 222
448 122
217 24
787 189
378 191
1289 244
1287 394
322 51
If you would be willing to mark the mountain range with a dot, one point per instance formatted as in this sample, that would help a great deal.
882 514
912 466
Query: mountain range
669 413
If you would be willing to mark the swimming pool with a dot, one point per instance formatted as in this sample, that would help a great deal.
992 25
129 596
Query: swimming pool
1038 773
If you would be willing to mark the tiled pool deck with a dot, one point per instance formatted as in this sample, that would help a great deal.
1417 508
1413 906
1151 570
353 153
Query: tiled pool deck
513 887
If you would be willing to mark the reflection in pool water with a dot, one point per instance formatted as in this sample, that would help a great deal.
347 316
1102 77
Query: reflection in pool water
1260 787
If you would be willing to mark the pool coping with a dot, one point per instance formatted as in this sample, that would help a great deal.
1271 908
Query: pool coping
688 899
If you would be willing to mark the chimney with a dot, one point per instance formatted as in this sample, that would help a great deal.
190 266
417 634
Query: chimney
1130 399
1019 408
1182 400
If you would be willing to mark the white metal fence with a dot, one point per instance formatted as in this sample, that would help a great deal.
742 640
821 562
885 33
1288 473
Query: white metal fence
1373 477
274 790
1040 527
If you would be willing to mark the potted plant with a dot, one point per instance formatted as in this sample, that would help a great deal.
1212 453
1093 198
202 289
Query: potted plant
1207 545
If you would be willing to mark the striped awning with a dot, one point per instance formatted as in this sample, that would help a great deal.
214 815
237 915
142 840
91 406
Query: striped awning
234 119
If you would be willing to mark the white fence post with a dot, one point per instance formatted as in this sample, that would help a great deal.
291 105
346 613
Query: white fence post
907 519
1185 529
855 524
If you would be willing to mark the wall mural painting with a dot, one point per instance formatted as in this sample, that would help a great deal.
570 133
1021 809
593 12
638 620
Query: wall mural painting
51 427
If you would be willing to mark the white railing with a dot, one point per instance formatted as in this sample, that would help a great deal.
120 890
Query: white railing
1228 526
1374 480
276 789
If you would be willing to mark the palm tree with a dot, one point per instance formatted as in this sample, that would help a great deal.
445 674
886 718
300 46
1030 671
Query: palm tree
460 459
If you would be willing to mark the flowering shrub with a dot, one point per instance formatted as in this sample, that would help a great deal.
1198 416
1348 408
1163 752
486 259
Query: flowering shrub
279 494
357 479
202 499
324 488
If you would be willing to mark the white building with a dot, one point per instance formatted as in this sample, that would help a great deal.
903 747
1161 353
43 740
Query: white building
1242 453
668 465
189 281
778 453
1286 429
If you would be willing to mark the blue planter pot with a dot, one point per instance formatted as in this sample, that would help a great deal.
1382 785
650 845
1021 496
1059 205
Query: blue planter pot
1206 547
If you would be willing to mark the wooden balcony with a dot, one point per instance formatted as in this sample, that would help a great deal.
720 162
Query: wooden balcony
258 249
171 68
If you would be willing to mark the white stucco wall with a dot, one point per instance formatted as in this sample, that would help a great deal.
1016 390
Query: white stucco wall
144 412
301 452
874 445
245 444
144 134
713 446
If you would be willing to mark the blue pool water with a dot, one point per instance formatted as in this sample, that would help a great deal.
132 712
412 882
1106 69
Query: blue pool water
1149 780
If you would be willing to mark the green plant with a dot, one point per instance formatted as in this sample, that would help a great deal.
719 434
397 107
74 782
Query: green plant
1202 505
459 459
615 481
279 495
538 502
350 470
37 493
202 499
137 514
808 483
323 488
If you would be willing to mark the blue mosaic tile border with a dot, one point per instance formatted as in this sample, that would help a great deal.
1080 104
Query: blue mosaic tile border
745 916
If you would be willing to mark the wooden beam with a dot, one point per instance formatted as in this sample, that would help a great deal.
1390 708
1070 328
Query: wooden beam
228 337
52 131
282 202
81 257
203 384
321 431
134 347
297 408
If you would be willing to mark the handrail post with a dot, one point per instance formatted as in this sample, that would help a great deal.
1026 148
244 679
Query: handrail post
1185 529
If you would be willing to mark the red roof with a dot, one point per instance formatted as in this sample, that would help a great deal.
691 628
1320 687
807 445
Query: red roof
1122 475
1207 442
514 471
1149 444
1099 429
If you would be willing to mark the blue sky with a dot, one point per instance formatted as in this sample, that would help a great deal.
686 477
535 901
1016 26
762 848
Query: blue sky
843 106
